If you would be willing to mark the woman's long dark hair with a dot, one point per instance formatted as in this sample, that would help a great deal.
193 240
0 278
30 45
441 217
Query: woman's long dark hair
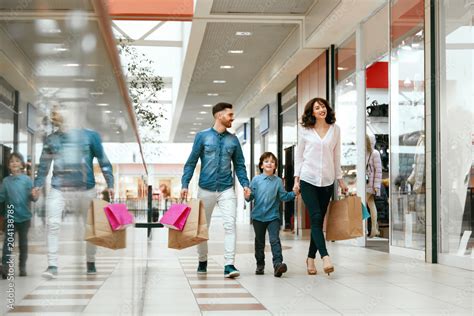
308 119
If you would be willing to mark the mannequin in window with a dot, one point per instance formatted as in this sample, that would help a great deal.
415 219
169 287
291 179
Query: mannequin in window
373 171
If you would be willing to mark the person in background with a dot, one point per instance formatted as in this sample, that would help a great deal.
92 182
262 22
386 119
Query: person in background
218 150
267 190
17 192
317 167
373 170
72 149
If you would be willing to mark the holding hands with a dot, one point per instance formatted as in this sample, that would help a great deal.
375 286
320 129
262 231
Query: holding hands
296 188
35 193
247 193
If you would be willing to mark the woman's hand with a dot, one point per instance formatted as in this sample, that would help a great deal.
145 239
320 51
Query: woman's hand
296 187
343 186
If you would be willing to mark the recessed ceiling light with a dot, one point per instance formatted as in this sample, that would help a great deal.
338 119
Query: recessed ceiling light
118 132
240 33
342 68
192 133
96 93
61 49
207 105
197 124
219 81
102 104
71 65
227 67
199 118
203 112
236 51
108 112
213 94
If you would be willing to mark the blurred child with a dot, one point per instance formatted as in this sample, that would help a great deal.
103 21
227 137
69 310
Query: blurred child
267 191
17 192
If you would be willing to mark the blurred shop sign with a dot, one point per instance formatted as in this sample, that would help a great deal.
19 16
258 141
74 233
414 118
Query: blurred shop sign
7 94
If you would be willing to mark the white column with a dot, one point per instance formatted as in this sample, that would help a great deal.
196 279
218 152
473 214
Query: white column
361 120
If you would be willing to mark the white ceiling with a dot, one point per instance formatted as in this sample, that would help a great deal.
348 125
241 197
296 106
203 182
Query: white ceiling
287 35
63 57
261 7
218 39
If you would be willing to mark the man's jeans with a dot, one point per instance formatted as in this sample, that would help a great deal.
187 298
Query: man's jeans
260 229
79 201
227 203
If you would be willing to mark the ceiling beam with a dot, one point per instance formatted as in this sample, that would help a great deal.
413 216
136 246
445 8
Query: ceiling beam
156 43
27 15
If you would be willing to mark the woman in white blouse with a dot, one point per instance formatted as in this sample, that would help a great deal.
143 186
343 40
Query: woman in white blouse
317 166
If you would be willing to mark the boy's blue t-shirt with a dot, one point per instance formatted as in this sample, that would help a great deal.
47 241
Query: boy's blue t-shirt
268 191
16 191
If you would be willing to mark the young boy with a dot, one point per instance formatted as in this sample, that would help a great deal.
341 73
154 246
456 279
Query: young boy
17 191
267 191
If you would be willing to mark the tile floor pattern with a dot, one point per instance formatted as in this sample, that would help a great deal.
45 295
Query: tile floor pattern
148 278
213 292
70 292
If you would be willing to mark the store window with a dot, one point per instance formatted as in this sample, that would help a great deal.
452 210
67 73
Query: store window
456 130
346 107
407 124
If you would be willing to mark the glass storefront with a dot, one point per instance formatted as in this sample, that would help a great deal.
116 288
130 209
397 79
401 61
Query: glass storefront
346 107
407 124
456 131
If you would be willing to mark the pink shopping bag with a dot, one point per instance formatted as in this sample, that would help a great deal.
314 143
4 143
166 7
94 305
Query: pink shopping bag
118 216
176 216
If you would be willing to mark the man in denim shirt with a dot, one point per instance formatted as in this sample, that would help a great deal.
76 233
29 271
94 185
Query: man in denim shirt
217 148
73 151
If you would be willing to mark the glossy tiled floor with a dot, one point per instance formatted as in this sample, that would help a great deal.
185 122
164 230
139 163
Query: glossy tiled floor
149 279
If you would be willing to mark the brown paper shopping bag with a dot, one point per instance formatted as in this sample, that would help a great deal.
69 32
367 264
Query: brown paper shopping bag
344 219
98 229
194 231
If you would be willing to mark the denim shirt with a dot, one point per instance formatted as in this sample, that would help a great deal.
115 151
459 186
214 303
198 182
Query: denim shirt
16 191
73 153
216 151
268 191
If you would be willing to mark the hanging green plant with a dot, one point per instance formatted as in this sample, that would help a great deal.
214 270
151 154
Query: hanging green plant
144 86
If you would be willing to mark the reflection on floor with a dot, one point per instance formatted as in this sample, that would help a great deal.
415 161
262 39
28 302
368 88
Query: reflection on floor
378 244
147 278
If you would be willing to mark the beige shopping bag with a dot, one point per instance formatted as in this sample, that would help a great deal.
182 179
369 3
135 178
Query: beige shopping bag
98 229
194 231
344 219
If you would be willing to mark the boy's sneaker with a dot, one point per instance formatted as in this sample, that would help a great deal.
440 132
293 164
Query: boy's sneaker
202 268
280 269
50 273
230 271
260 269
91 268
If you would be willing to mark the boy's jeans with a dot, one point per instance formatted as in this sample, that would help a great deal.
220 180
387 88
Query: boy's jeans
22 230
227 203
79 201
273 228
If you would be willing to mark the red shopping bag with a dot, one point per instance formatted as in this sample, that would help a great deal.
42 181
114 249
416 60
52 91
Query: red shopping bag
118 216
175 218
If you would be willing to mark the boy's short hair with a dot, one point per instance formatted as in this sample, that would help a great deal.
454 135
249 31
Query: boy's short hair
264 156
19 157
221 106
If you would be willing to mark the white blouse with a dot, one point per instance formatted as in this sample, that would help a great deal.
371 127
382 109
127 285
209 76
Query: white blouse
318 161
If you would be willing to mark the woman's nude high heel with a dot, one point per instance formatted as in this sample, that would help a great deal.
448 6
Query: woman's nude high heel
327 265
310 267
